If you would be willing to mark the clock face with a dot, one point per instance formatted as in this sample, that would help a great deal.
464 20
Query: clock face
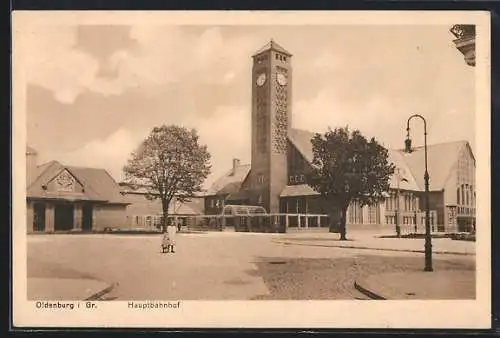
281 79
261 79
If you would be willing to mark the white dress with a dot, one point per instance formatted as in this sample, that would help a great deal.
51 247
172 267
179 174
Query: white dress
171 231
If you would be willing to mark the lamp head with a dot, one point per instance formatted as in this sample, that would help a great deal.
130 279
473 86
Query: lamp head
408 145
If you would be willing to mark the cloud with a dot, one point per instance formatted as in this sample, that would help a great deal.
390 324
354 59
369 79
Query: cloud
159 55
227 135
110 153
330 109
229 127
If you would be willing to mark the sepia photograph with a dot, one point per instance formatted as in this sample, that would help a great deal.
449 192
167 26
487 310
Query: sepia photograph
251 169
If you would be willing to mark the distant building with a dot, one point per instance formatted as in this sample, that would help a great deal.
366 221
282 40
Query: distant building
282 157
145 213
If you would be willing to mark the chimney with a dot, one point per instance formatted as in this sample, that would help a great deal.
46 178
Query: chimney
31 164
236 164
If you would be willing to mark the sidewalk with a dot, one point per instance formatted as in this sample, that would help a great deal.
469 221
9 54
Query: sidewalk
66 289
460 284
369 241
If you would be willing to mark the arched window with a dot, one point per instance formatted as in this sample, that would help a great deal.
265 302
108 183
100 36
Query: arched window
458 195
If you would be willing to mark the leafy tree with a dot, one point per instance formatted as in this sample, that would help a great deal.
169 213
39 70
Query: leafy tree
170 163
346 167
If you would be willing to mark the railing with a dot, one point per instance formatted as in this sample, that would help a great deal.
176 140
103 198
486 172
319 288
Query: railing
277 222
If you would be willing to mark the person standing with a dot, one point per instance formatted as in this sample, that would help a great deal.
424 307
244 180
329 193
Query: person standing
179 225
171 232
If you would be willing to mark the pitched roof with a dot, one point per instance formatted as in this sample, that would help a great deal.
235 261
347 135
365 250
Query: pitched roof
301 139
274 46
405 177
230 182
441 158
178 208
98 184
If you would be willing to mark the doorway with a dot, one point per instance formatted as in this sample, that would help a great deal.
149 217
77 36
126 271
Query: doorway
87 217
63 217
39 217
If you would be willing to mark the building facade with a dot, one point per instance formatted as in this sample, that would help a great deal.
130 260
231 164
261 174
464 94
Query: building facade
282 155
146 213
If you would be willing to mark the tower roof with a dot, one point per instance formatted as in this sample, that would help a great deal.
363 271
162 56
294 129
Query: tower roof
272 45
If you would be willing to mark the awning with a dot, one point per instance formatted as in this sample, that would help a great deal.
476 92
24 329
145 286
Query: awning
298 190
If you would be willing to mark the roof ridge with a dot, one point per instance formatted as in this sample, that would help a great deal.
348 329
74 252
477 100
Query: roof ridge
272 45
47 165
438 144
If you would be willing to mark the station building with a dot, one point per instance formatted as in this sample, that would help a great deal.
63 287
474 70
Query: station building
61 198
68 198
281 157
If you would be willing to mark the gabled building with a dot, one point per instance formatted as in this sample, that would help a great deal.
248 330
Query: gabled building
69 198
282 157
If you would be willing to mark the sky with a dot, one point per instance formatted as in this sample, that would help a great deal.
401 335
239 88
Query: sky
95 92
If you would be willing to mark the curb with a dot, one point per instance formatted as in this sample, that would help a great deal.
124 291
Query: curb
98 295
368 292
376 249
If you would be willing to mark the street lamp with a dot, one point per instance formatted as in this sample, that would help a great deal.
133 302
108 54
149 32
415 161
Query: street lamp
428 244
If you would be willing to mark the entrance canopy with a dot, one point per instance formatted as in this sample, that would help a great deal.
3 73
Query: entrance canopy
240 210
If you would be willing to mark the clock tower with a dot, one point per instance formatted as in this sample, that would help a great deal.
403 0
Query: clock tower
271 121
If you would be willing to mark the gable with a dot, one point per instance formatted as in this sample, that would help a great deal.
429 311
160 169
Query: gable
64 181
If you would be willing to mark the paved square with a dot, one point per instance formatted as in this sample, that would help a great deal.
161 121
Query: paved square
217 266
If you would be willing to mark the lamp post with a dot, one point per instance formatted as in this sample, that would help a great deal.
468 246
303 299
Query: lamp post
398 227
397 213
428 244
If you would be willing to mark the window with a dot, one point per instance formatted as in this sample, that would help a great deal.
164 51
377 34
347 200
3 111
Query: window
277 57
292 179
260 178
458 195
373 214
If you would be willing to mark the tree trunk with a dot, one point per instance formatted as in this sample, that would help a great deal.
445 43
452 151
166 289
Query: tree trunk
343 228
334 221
164 223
